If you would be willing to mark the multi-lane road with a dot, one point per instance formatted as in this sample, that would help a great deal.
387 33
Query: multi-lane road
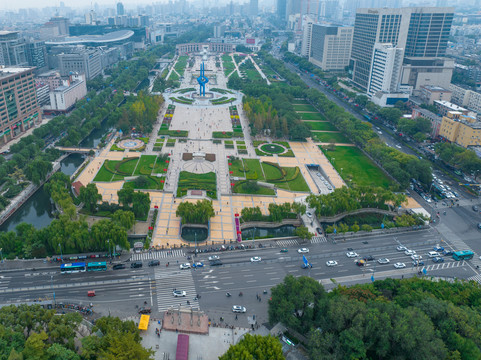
120 292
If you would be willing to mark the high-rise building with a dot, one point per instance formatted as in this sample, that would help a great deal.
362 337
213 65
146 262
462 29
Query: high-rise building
120 9
306 36
421 32
82 61
37 54
91 18
253 7
13 50
19 109
61 23
385 69
281 9
331 46
328 9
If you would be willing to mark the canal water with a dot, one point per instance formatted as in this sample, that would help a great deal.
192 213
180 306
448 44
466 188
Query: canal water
281 231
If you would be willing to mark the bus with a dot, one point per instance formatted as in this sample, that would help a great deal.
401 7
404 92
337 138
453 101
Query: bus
97 266
463 255
72 268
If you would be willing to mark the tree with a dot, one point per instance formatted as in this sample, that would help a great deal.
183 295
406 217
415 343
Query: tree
126 219
35 346
255 347
90 196
391 115
303 233
198 213
125 196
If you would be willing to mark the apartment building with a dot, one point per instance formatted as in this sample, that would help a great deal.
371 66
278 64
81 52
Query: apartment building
461 129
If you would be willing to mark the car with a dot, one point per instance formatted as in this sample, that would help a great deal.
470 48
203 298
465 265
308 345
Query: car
438 248
360 262
418 263
145 310
433 254
179 293
213 257
184 266
369 258
238 309
438 259
136 264
309 214
351 254
118 266
398 146
399 265
331 263
256 259
216 262
383 261
303 250
319 231
306 266
416 257
284 250
401 248
198 264
447 252
475 208
409 252
154 263
479 225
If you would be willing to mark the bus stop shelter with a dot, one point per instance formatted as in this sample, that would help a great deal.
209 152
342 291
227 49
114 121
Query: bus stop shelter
144 322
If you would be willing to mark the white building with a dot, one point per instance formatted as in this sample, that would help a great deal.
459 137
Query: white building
466 98
330 46
43 94
385 69
63 98
306 36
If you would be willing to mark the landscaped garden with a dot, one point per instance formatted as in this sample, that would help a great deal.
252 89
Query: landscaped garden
228 64
173 133
181 64
312 116
191 181
305 107
272 148
288 178
326 137
227 134
356 167
321 125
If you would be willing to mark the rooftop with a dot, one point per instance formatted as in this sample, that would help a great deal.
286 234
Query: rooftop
450 105
8 71
98 39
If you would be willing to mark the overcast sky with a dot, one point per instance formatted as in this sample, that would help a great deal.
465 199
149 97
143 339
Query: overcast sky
19 4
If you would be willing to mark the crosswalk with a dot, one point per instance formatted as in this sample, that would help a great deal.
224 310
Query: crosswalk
168 279
476 278
284 243
318 239
152 255
445 265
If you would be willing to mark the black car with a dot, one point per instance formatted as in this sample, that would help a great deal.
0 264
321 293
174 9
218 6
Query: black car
145 310
136 264
216 262
154 263
319 231
118 266
369 258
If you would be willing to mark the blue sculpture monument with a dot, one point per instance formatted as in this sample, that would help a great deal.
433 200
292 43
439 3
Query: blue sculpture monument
202 80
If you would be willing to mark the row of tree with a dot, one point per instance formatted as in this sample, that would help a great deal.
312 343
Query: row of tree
346 199
31 332
277 212
195 213
390 319
458 157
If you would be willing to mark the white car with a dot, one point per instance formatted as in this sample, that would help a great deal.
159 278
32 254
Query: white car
184 266
399 265
308 214
409 252
401 248
213 257
351 254
331 263
179 293
303 250
383 261
416 257
256 259
238 309
398 146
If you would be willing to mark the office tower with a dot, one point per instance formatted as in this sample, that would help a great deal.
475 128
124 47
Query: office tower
306 36
82 61
13 50
421 32
91 18
120 9
37 54
19 109
331 46
219 31
385 69
281 9
61 23
253 7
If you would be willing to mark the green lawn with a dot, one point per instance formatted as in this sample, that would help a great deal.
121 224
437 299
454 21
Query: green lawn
173 76
253 166
161 164
181 64
105 175
327 137
356 166
300 102
153 183
271 172
145 165
298 183
240 189
304 107
321 125
288 182
253 74
311 116
128 166
237 168
191 181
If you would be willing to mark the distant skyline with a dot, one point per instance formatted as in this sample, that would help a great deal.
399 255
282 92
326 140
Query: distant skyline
22 4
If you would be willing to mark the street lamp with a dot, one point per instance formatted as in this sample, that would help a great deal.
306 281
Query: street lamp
61 256
195 241
108 242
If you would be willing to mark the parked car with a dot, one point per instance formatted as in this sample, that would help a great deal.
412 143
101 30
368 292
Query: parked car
438 259
438 248
409 252
447 252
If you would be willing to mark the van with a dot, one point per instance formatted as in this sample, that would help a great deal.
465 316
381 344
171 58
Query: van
154 263
136 264
433 254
